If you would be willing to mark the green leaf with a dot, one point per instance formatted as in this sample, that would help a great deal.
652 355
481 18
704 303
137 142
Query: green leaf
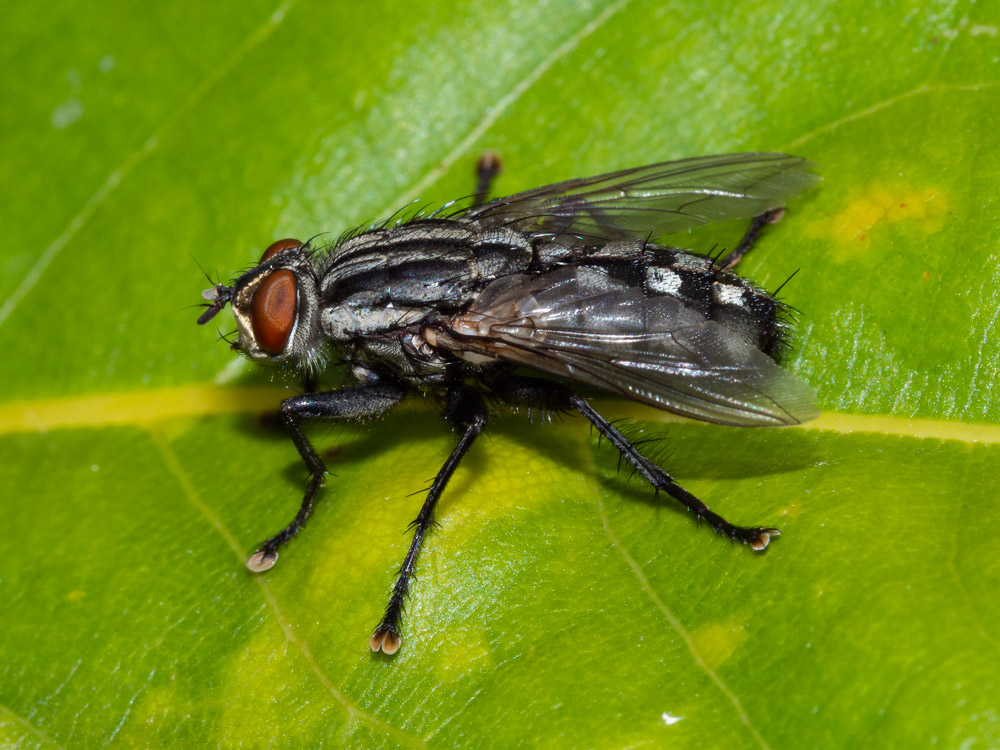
557 604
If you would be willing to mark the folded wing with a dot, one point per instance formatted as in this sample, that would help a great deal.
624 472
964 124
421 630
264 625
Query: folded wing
583 325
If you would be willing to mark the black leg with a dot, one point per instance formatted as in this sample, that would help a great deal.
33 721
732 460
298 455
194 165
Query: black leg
310 383
467 412
487 168
750 238
349 403
547 395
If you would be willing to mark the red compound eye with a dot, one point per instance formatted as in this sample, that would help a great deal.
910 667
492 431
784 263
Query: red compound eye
272 311
276 247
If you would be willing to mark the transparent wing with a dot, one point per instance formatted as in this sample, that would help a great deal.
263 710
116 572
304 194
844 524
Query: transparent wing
655 200
580 324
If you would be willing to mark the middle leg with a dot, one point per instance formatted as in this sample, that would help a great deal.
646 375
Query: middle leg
467 412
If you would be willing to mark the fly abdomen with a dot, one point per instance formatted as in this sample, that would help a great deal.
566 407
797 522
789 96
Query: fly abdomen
752 312
698 282
719 295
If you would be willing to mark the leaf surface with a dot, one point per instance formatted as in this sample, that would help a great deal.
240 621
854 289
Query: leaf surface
557 604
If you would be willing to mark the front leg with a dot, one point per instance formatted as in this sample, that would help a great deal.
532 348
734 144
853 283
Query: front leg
348 403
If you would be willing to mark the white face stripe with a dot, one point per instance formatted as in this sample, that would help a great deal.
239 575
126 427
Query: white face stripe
663 280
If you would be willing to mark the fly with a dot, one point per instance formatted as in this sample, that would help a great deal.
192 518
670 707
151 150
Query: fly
562 280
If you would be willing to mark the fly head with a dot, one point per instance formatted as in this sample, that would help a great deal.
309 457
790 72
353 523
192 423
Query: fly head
275 306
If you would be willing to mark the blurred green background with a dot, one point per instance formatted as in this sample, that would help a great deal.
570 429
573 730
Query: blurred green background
557 604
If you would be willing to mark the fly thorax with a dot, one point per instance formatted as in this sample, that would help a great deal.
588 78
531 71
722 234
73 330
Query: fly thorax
393 278
359 316
417 346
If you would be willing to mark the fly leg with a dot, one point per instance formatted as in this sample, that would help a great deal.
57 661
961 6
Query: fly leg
467 412
750 238
348 403
488 167
551 396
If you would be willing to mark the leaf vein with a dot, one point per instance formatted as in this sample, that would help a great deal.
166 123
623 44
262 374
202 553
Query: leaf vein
504 103
194 498
149 407
967 600
677 625
886 103
29 725
116 177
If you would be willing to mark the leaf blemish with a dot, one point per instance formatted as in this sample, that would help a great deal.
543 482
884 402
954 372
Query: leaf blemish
877 205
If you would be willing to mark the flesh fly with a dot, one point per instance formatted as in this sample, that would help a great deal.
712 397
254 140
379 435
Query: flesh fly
523 300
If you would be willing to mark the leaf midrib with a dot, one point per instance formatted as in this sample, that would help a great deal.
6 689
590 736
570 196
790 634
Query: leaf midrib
148 407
